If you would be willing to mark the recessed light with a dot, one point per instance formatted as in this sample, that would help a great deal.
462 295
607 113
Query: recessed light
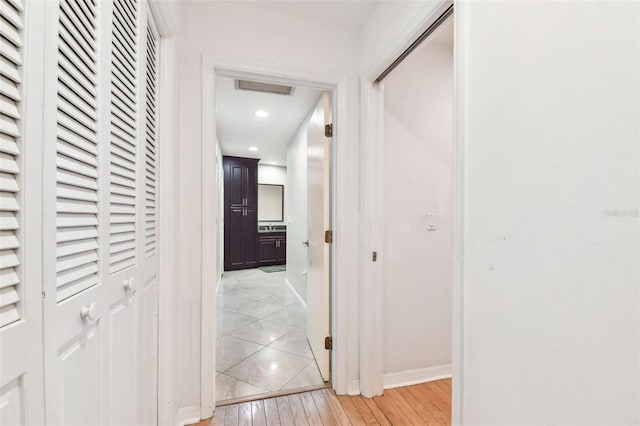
253 148
262 113
275 163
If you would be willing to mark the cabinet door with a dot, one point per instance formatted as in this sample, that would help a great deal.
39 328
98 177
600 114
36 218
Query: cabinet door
250 237
234 224
281 250
266 250
236 184
251 185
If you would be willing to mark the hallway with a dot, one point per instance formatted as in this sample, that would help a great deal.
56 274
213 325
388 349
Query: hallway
261 343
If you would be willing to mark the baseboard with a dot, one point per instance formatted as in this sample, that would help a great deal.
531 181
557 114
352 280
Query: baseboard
188 415
300 299
353 388
414 377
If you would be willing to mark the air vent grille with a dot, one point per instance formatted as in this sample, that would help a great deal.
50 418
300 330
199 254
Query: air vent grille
257 86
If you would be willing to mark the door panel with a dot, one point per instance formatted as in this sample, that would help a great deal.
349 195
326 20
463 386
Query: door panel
234 250
126 211
317 223
267 250
236 184
251 187
79 390
74 228
148 319
21 380
250 237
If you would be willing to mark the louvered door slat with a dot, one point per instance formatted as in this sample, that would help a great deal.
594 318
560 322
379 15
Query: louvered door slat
77 162
11 16
151 102
124 124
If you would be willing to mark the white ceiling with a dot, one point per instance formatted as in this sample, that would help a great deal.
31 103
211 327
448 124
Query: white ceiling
238 127
352 14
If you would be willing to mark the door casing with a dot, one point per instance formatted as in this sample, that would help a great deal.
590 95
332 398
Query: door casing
336 85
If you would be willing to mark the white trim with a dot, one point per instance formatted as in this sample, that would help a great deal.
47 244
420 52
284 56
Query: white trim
414 377
371 280
187 415
337 83
209 230
166 22
353 389
295 293
459 92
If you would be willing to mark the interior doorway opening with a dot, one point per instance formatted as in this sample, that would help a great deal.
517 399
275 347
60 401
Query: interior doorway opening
273 170
417 210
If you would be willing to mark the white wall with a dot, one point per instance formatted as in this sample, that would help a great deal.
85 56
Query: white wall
550 127
274 175
296 199
257 37
417 176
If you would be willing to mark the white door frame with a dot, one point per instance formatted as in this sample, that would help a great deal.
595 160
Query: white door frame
166 19
371 367
335 83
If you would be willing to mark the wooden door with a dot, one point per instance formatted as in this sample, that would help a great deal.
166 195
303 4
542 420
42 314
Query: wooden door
250 237
233 231
317 223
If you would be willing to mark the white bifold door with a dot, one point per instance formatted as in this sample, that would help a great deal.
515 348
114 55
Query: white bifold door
318 221
21 378
99 213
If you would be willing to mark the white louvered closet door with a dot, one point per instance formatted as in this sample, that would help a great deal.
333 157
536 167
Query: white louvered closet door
148 222
20 298
74 230
126 158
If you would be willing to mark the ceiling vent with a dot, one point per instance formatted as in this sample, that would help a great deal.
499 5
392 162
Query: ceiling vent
264 87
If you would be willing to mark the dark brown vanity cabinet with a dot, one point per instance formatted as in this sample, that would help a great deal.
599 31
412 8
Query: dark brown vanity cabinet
272 248
241 213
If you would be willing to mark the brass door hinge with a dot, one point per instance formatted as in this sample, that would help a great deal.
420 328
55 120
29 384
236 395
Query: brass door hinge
328 343
328 130
328 237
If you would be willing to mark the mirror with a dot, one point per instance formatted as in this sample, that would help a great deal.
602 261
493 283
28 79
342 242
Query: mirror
270 203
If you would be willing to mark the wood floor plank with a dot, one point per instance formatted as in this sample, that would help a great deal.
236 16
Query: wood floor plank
323 408
271 412
231 415
397 410
218 416
376 411
433 394
244 414
258 415
335 407
428 399
299 416
423 410
284 410
310 409
352 412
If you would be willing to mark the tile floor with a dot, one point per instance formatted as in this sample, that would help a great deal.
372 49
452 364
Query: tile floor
261 339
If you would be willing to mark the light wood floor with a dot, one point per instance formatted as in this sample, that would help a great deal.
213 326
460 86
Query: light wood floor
425 404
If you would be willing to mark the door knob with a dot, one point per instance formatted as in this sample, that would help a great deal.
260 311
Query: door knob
88 312
128 284
305 243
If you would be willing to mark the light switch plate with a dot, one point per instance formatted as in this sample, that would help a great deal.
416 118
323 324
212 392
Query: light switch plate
431 221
